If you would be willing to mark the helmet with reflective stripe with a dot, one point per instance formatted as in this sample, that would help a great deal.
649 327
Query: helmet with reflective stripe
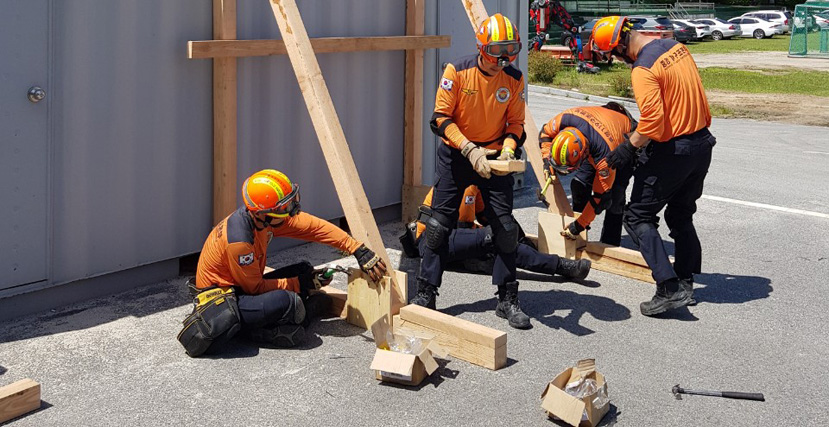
567 150
498 39
270 192
608 31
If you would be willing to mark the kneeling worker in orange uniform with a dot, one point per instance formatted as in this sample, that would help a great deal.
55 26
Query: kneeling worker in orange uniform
590 133
272 306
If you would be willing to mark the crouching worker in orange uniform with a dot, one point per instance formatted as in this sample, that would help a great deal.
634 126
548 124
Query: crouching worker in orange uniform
272 307
590 133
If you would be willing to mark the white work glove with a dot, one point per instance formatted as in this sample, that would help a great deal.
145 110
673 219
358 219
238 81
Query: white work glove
477 157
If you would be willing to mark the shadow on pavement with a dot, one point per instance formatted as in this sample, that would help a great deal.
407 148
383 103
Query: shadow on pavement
543 305
724 288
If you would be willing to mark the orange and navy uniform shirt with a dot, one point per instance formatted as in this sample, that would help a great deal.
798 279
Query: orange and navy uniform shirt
472 205
669 91
235 252
604 130
471 105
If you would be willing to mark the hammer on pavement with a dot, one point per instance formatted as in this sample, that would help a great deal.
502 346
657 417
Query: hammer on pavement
677 390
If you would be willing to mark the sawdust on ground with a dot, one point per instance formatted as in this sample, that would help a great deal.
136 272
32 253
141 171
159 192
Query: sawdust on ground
788 108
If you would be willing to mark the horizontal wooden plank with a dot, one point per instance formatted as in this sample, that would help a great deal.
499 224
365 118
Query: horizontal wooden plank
460 328
243 48
338 298
616 252
472 352
616 266
19 398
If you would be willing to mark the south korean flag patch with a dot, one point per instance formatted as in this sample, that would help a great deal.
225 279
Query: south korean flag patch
446 84
246 259
469 200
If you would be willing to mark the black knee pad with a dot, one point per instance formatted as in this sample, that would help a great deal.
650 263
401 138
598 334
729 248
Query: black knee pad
295 314
506 236
581 193
436 234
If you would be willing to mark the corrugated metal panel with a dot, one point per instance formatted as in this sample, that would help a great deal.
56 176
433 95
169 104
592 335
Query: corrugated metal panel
275 128
132 134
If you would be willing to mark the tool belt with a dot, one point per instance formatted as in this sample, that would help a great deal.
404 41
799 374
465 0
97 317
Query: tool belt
214 320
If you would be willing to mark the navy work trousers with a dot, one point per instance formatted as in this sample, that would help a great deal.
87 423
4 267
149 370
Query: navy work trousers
670 174
454 174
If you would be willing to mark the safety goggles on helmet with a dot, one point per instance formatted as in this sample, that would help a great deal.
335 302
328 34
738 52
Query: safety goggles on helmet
505 48
288 206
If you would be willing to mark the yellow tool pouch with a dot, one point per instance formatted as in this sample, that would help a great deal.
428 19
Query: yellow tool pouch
214 320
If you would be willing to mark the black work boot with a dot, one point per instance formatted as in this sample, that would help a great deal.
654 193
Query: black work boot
508 306
282 336
688 285
316 307
573 269
669 295
425 297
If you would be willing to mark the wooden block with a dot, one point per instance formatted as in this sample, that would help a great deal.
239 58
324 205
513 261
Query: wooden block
504 167
550 240
465 340
616 252
339 300
19 398
368 301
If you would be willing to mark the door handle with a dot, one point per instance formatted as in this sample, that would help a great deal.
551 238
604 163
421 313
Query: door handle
36 94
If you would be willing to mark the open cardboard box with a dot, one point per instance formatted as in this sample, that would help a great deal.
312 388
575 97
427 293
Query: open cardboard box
572 410
402 368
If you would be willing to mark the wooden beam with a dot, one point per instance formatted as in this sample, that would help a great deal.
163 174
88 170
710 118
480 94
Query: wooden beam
331 136
465 340
555 193
224 114
550 240
19 398
339 300
413 196
413 98
203 49
607 263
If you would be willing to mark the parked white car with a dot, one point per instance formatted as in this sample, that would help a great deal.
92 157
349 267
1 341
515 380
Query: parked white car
719 29
703 30
784 18
757 27
822 19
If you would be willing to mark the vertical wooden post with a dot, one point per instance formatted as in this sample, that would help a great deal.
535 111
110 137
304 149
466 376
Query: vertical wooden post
413 124
224 114
331 137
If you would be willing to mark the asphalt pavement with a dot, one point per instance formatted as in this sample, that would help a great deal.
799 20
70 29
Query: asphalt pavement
760 326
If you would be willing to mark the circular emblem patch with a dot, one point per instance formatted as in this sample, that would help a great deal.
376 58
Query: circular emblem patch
502 95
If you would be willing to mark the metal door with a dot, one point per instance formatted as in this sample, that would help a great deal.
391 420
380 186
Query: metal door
24 35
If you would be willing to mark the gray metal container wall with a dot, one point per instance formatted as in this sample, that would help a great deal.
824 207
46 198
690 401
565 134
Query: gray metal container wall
128 169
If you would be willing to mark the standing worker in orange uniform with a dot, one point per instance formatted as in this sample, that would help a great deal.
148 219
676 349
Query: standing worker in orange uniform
479 114
580 139
272 306
673 126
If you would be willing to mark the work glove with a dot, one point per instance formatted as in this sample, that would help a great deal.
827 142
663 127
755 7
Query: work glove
572 231
370 263
622 156
477 157
507 153
601 202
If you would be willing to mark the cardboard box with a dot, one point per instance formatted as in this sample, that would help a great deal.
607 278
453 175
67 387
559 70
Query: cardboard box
402 368
574 411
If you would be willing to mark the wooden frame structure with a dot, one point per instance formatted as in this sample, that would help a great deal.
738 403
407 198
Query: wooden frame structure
612 259
224 50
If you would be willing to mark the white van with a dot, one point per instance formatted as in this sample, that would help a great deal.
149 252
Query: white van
783 18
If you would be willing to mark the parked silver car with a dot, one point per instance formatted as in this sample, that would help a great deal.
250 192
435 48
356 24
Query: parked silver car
720 29
757 27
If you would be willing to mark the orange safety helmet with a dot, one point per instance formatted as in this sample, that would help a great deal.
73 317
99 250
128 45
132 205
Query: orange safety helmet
567 150
608 32
498 40
270 192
